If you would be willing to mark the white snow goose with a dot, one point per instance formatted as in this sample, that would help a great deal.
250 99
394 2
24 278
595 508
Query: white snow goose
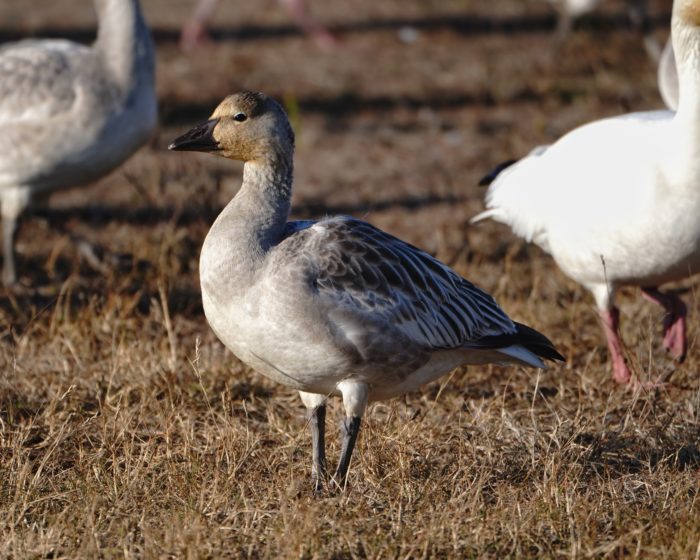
616 201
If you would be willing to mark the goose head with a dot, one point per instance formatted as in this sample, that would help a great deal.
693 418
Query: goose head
688 12
246 126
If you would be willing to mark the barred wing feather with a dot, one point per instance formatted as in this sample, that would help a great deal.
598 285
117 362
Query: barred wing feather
366 271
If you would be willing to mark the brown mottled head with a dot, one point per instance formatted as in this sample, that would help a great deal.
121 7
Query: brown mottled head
247 126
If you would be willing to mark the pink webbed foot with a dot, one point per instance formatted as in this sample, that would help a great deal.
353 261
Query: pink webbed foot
611 319
675 340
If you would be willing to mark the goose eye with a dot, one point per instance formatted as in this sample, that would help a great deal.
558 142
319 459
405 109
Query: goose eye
239 117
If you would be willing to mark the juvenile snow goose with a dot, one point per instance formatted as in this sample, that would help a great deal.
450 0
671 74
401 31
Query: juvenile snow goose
333 307
616 202
69 113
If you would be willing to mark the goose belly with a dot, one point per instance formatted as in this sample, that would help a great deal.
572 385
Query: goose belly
308 360
294 353
650 248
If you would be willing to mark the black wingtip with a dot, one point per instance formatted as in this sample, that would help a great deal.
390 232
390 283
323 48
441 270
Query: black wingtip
537 343
486 180
524 336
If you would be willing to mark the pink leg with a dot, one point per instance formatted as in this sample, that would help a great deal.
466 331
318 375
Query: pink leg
194 32
674 320
323 38
611 319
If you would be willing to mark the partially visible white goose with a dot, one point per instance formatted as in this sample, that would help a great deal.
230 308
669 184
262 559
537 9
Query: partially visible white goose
334 307
616 202
69 114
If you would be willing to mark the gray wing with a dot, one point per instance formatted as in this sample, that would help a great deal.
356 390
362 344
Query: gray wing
37 79
379 279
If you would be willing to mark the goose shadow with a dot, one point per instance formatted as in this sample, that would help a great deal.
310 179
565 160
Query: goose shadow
610 455
618 454
24 305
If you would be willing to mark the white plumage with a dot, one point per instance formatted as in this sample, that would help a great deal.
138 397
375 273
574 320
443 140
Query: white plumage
69 114
616 201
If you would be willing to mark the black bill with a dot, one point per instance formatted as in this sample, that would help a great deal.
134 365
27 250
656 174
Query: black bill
199 139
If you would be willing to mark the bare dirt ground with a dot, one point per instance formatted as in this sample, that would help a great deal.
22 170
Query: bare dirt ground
127 430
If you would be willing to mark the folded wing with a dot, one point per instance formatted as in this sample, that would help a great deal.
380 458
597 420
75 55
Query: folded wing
376 277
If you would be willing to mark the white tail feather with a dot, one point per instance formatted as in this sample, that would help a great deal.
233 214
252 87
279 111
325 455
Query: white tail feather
485 215
522 355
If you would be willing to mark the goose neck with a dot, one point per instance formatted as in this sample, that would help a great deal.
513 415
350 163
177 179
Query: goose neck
124 43
250 225
263 203
255 218
685 34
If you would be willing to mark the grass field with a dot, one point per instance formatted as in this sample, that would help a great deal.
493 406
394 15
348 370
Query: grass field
126 428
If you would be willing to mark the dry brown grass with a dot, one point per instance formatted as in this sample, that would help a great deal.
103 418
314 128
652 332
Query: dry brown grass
127 430
117 443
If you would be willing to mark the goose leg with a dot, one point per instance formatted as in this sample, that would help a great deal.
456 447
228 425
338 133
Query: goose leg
9 229
14 201
639 15
316 411
355 396
674 320
350 428
611 321
317 423
565 24
323 38
194 32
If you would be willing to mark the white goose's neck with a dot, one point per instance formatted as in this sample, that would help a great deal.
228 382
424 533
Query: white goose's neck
250 225
124 43
686 45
